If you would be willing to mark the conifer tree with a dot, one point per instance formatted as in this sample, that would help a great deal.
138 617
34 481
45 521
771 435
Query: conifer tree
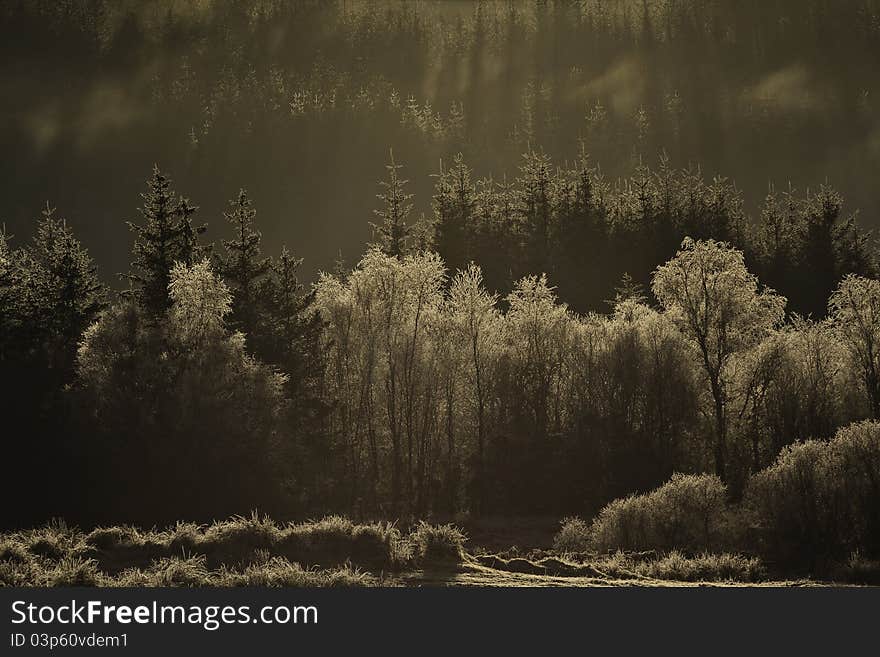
290 340
536 206
286 337
454 209
393 231
820 216
242 266
62 290
10 292
628 289
166 236
49 294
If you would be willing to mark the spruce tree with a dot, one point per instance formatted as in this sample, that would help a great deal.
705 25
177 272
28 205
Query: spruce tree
454 209
821 213
285 300
392 231
51 292
166 236
63 292
242 266
10 290
536 207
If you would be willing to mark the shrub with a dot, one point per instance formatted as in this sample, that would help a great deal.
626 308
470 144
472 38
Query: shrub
441 544
573 536
687 512
821 500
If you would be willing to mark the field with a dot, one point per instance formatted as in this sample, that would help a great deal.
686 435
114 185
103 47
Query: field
335 552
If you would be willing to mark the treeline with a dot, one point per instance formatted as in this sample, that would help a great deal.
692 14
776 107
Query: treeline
588 232
445 401
413 383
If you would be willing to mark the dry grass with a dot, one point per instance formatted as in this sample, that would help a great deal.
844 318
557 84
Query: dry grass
241 551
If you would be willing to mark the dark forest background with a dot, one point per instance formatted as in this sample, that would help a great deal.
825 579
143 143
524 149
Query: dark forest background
299 103
626 179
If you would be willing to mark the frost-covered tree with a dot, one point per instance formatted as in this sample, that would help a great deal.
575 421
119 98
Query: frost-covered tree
854 308
163 397
718 306
49 293
380 371
242 266
166 236
474 321
392 231
9 292
61 293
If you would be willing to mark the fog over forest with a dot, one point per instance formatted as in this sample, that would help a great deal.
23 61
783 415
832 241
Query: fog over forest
300 102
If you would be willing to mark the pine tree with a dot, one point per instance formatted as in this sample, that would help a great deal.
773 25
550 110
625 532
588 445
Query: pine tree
63 292
285 301
821 214
780 238
166 236
242 266
393 231
536 206
628 289
454 209
9 296
853 250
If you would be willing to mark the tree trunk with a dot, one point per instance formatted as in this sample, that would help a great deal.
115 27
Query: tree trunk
720 431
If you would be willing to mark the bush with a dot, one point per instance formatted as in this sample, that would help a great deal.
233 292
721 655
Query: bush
573 536
821 500
688 512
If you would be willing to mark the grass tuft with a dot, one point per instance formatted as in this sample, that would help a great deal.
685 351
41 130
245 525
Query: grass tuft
72 571
108 538
13 551
437 544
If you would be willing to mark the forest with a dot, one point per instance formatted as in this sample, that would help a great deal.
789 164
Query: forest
534 304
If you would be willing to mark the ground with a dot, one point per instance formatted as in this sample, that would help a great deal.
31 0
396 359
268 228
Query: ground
335 551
